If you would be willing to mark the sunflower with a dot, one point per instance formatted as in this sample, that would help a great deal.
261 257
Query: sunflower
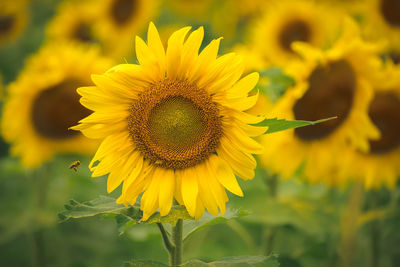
194 9
174 126
74 22
284 22
329 83
382 19
42 103
13 18
120 20
380 164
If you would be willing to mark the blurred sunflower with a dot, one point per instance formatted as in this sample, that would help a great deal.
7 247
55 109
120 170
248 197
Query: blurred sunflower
74 22
380 164
13 18
42 103
285 22
328 83
120 20
174 126
383 19
195 9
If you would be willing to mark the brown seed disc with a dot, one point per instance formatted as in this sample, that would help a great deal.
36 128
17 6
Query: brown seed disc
175 124
56 109
395 57
391 11
330 93
82 33
384 111
293 31
6 24
123 10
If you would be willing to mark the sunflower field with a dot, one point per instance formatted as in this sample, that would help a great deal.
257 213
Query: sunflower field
199 133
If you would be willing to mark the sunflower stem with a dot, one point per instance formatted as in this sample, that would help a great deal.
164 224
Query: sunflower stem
269 232
177 231
167 243
349 227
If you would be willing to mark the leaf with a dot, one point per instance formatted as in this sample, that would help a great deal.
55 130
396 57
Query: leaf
277 125
125 216
237 261
193 226
277 83
102 205
144 263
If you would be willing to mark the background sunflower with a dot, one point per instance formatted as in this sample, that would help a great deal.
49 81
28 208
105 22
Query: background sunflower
42 103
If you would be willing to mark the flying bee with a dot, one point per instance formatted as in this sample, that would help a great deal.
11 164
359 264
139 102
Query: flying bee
74 165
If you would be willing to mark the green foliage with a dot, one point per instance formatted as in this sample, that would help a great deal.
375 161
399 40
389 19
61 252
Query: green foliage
277 125
276 84
190 227
129 216
239 261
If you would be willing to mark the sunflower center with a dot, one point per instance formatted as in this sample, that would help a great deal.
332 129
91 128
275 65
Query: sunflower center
395 57
296 30
330 93
123 10
175 124
82 33
384 111
57 108
6 24
391 11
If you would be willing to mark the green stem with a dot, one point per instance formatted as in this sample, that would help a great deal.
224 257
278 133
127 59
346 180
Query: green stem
167 243
269 232
177 231
375 233
349 227
38 234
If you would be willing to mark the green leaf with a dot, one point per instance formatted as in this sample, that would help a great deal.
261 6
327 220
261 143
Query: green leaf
144 263
193 226
238 261
125 216
277 83
102 205
277 125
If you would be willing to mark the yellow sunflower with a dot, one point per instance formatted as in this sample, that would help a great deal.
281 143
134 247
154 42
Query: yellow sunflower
74 22
42 103
13 18
120 20
380 164
329 83
383 19
175 125
195 9
284 22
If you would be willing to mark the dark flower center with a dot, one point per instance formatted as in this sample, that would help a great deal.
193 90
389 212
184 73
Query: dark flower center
83 33
293 31
6 24
395 57
330 93
57 108
123 10
175 124
391 11
384 111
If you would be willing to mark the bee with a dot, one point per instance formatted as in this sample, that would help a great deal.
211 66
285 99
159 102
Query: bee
74 165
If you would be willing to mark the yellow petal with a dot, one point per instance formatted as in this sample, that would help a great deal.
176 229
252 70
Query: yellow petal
224 174
155 44
244 86
174 50
189 190
166 194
